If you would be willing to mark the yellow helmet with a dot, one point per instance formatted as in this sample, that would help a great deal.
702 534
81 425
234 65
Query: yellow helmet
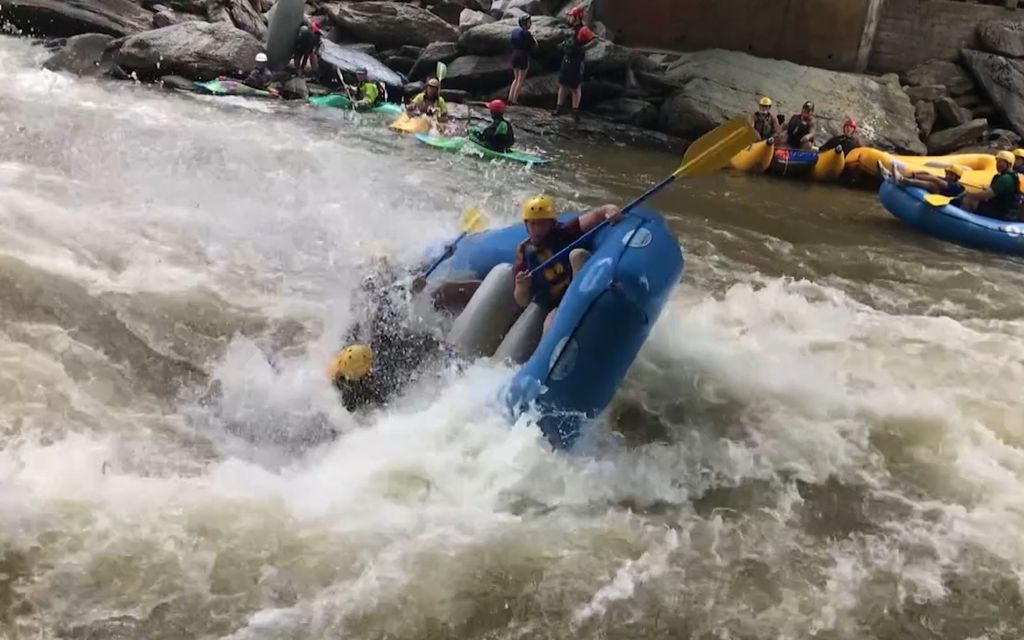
353 363
957 169
1019 153
1005 156
539 208
766 102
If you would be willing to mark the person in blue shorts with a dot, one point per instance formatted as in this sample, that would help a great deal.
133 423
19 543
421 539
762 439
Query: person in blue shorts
523 44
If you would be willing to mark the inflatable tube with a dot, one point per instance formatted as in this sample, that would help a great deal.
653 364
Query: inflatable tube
952 223
829 166
755 158
407 124
481 327
282 31
339 101
232 88
469 147
866 159
603 320
792 162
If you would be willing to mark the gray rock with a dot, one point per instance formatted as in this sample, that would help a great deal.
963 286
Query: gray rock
542 91
389 24
455 95
1005 37
469 19
238 12
949 140
363 47
924 113
715 85
1003 81
950 114
410 51
84 55
510 8
165 19
629 111
1004 138
605 58
970 100
412 88
195 7
401 64
64 18
478 73
949 74
493 39
196 50
928 92
294 89
348 59
448 11
436 52
177 83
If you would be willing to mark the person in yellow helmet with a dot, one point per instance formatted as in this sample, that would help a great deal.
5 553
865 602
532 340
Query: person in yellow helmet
1001 200
546 237
763 121
429 102
1018 161
949 185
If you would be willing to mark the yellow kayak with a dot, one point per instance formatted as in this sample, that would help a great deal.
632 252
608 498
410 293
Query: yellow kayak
406 124
755 158
829 166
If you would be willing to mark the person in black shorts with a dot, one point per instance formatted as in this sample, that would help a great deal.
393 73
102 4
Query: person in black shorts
523 44
574 53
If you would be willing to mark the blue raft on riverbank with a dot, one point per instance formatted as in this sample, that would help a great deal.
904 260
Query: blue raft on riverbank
951 223
571 376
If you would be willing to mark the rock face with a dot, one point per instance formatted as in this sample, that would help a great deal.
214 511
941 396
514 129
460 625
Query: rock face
469 19
238 12
928 92
943 142
84 55
389 24
948 74
629 111
1003 81
426 64
1005 37
715 85
542 91
494 38
335 57
63 18
951 114
925 114
196 50
478 73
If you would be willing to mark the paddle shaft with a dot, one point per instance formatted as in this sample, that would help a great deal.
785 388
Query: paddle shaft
444 256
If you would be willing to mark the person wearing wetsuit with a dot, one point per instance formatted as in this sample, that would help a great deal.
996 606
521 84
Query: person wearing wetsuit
763 121
1001 200
499 135
523 44
800 130
847 141
574 54
260 76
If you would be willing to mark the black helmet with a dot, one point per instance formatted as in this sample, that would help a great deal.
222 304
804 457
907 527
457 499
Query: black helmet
524 19
361 71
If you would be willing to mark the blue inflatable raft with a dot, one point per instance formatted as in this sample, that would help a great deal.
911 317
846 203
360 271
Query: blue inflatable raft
952 223
603 320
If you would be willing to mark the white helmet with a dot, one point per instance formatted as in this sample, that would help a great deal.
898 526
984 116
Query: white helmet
261 57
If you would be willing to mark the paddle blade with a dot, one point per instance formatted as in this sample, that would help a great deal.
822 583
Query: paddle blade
936 200
714 149
474 221
442 71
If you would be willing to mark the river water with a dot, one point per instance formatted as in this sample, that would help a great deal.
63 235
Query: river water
824 436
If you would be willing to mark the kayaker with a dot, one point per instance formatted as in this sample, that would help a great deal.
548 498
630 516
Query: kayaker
848 141
307 47
763 121
523 44
1018 161
498 136
949 185
429 102
800 130
260 76
365 94
548 236
574 53
1001 199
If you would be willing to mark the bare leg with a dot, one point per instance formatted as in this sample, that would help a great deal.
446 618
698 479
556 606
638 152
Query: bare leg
563 93
577 258
549 320
577 96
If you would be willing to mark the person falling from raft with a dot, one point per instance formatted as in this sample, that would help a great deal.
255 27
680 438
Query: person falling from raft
801 128
429 102
364 94
763 121
498 136
848 140
523 44
548 236
574 54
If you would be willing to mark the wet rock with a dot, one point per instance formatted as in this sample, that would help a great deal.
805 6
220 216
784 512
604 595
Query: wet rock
410 51
924 113
928 92
715 85
401 64
605 58
63 18
948 74
84 55
1005 37
542 91
1003 81
942 142
478 73
469 19
455 95
494 39
294 89
448 11
165 19
238 12
389 24
195 7
412 88
542 122
436 52
348 59
629 111
514 8
196 50
950 114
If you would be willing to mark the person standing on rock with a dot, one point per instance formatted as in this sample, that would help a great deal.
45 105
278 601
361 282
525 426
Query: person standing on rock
763 121
307 47
574 54
801 129
523 44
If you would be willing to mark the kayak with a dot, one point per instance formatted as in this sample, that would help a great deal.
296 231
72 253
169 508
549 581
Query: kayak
951 223
232 88
755 158
567 377
407 124
465 145
338 101
285 18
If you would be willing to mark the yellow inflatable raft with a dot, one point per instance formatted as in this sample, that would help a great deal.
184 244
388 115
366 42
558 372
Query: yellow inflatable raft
755 158
762 156
866 159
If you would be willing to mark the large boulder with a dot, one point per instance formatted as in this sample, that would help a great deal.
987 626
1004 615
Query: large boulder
951 114
195 7
196 50
389 24
1003 81
63 18
927 92
605 58
436 52
494 38
335 57
470 18
239 13
478 73
715 85
542 91
948 74
84 55
924 113
1005 37
639 113
948 140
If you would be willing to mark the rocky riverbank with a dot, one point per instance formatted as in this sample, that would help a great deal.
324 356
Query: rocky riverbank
630 95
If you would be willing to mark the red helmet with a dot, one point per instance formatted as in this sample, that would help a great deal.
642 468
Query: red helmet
850 122
576 12
497 106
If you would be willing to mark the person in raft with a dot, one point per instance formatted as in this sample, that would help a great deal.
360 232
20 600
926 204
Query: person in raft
523 44
949 185
847 141
800 130
548 236
1001 199
763 121
429 102
574 54
365 94
498 136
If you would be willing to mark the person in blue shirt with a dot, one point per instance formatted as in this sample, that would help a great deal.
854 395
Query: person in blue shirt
949 185
523 44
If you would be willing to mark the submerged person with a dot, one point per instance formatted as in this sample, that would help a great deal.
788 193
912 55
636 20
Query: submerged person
429 102
365 94
763 121
801 128
498 136
1001 200
574 54
523 44
260 76
847 141
547 237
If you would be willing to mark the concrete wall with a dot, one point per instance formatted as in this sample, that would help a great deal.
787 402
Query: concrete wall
821 33
910 32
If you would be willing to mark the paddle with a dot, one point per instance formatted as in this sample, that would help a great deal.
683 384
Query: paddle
473 221
707 154
936 200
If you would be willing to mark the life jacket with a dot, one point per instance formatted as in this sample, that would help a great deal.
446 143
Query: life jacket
796 130
572 49
549 288
764 124
1007 206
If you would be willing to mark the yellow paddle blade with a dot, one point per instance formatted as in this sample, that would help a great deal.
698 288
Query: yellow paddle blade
442 71
936 200
474 221
714 149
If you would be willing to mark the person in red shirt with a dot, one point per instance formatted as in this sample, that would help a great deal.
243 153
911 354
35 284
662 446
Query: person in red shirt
574 54
548 236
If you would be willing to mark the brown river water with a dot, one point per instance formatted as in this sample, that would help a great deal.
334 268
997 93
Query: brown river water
824 436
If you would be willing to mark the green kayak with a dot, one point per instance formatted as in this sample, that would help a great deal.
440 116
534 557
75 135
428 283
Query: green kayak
231 88
465 145
339 101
